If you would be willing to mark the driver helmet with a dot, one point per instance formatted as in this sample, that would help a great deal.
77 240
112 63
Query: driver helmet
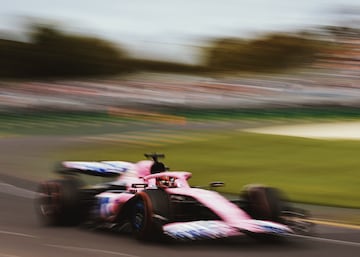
165 182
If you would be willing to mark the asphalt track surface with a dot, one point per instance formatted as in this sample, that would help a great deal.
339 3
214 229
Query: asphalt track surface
21 234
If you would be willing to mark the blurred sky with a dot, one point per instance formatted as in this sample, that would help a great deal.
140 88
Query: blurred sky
172 28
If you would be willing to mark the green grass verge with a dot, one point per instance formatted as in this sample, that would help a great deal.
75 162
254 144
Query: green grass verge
326 112
64 123
60 123
308 170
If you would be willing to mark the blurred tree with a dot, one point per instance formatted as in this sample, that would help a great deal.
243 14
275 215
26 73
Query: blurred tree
272 53
12 58
61 54
53 53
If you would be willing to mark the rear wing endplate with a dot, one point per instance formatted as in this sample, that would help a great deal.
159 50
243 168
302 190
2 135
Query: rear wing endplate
102 168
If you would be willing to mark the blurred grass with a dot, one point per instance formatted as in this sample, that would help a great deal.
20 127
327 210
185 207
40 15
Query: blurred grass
83 122
59 123
308 170
311 112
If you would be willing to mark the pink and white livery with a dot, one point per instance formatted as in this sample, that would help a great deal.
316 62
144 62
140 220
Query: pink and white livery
154 204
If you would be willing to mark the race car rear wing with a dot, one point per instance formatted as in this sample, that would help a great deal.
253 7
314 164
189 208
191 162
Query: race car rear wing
102 168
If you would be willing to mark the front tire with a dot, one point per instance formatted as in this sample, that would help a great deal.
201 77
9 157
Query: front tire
149 212
263 203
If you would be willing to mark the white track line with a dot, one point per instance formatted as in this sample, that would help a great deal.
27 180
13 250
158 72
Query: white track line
8 255
17 234
83 249
327 240
17 191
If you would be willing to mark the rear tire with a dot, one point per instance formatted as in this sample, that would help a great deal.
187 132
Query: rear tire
149 212
58 202
263 203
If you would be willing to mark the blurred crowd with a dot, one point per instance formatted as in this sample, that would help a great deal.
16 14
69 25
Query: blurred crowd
332 80
336 86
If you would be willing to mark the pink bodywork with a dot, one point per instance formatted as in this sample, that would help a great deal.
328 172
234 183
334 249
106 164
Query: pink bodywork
234 220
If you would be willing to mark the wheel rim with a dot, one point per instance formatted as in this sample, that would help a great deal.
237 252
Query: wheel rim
49 199
139 215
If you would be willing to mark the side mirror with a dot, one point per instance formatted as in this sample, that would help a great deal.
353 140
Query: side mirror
217 184
139 185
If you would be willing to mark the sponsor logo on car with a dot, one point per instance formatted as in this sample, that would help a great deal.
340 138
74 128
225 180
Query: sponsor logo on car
198 230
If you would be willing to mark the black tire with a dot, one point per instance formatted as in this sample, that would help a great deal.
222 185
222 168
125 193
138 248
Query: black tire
263 203
150 210
58 202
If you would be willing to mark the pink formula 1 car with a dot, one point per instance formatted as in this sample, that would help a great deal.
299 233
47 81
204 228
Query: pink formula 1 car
154 203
